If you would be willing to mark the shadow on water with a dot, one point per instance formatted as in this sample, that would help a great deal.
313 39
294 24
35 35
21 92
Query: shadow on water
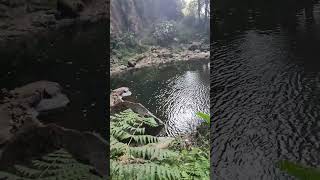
73 57
265 88
173 92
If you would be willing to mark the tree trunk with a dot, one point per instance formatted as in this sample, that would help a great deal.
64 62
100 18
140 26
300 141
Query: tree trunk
206 2
199 11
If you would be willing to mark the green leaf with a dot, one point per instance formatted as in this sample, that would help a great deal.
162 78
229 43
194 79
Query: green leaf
58 165
205 117
299 171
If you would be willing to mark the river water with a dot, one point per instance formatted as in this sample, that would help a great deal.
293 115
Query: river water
265 92
75 58
174 92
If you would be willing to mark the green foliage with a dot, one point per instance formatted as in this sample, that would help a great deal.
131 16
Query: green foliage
165 32
205 117
59 165
125 46
299 171
144 171
194 164
134 154
122 41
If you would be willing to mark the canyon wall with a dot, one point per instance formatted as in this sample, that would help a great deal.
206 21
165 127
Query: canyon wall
137 15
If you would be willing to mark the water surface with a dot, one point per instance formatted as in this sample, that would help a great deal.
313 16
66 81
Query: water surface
173 92
265 93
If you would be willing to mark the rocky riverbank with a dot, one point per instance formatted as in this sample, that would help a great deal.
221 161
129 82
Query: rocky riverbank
29 18
156 55
23 136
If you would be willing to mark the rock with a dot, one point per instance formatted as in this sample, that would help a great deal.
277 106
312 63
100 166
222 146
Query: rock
131 64
122 67
194 46
205 47
20 108
21 20
116 95
59 101
139 57
153 49
165 53
23 136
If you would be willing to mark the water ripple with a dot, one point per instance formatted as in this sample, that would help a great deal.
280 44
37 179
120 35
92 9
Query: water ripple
265 107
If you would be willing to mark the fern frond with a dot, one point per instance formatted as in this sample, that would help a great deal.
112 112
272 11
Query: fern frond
11 176
145 139
134 154
59 165
145 171
147 152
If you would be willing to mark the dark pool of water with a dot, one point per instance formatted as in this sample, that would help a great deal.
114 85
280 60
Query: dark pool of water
75 58
265 92
173 92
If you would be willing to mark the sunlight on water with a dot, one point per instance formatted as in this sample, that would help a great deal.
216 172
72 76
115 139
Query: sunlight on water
175 93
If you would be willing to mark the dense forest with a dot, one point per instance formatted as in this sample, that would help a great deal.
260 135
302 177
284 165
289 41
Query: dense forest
138 25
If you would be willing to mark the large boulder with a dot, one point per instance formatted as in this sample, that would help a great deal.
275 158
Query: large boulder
20 107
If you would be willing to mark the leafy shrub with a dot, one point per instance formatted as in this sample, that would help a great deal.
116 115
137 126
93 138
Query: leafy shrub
124 40
59 165
194 164
185 33
165 32
124 46
149 40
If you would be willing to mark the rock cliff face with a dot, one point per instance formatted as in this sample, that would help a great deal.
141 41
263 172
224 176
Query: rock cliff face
25 17
136 15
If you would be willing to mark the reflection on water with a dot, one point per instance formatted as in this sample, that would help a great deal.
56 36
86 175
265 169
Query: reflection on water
265 91
173 92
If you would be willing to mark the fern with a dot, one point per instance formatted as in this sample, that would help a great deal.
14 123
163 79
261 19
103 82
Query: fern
59 165
133 153
144 171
